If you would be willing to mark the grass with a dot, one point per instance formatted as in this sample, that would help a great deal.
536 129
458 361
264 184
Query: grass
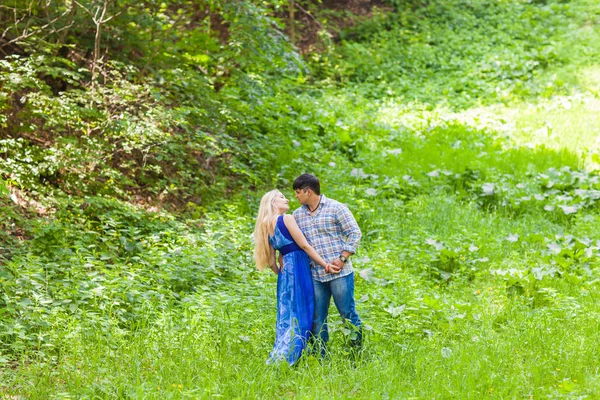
469 338
465 293
502 348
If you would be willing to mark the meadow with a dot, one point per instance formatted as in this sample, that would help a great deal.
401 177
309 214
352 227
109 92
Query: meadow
464 137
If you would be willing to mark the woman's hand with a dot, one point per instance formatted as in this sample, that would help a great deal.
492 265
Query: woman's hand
332 268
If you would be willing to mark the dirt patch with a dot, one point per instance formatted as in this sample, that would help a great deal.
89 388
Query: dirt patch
26 203
316 25
357 7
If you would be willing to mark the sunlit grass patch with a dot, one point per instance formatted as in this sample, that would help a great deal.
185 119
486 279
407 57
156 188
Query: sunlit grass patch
570 122
589 78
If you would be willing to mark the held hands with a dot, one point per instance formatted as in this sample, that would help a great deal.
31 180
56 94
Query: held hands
338 263
333 268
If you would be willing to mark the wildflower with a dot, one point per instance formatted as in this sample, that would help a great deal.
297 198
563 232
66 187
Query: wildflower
558 369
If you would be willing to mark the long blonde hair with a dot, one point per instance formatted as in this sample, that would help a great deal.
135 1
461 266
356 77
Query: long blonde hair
264 254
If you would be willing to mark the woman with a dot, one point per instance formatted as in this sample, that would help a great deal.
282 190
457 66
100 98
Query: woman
276 230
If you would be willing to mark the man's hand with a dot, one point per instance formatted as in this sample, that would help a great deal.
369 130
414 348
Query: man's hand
336 266
332 269
338 263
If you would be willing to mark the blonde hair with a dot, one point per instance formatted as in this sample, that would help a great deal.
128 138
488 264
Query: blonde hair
264 254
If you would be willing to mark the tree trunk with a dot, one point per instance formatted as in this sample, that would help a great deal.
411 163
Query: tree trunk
292 21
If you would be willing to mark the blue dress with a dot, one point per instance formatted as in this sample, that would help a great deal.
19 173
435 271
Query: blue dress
295 298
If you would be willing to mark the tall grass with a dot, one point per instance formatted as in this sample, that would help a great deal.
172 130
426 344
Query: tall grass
471 280
502 347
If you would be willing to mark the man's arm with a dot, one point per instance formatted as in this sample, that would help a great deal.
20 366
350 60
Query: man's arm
350 229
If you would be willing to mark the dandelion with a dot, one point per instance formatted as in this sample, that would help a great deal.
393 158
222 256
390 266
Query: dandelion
558 369
574 380
478 291
179 386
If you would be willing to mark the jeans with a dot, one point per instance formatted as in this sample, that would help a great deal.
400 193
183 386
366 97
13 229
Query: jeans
342 290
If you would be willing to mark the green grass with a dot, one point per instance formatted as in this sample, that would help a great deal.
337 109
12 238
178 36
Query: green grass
465 292
501 346
470 337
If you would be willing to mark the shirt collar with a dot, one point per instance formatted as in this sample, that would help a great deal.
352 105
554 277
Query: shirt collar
324 201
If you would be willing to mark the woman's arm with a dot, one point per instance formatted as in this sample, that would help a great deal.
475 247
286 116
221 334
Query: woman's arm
299 238
273 264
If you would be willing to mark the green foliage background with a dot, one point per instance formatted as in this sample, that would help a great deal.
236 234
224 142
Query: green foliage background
136 140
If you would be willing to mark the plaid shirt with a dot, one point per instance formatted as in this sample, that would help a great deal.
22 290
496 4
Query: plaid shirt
330 231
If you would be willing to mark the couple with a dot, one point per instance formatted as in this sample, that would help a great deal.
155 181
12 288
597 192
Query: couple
324 230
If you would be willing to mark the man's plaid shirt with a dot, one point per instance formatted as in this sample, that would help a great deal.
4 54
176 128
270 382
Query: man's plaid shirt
330 231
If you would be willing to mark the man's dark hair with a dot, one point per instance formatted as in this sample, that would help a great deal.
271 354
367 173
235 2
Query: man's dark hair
307 181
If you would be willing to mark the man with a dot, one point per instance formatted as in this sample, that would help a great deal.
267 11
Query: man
331 229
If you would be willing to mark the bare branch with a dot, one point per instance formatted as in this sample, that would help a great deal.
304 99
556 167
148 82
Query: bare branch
63 35
57 30
99 23
310 15
8 28
83 7
26 34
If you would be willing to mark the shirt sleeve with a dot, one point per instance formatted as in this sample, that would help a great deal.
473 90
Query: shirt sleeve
349 228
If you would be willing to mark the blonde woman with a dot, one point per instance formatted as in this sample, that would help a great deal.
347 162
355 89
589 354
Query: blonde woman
276 230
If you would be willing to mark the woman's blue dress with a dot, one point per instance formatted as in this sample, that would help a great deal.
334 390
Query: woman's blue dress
295 298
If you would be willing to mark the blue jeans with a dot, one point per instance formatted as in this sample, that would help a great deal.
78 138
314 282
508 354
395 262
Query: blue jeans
342 290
